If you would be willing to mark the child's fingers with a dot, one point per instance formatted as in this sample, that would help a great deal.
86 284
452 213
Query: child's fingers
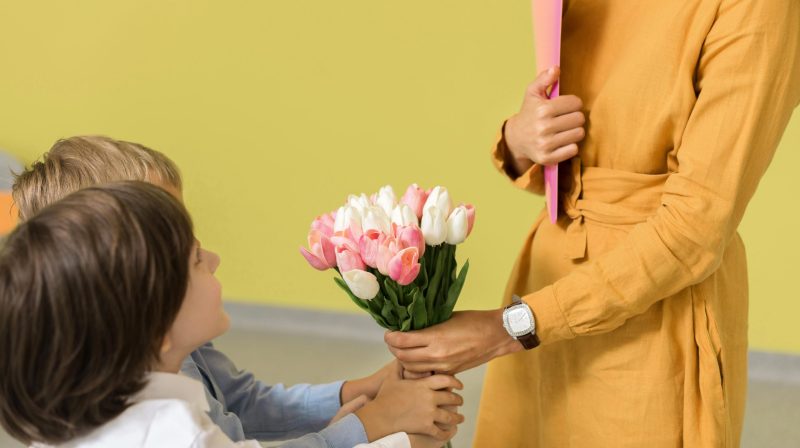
409 375
350 407
441 434
447 418
445 398
437 382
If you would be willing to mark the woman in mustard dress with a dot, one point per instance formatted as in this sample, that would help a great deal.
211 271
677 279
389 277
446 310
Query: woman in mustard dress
639 290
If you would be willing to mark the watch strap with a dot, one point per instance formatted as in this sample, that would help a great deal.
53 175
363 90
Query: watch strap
529 340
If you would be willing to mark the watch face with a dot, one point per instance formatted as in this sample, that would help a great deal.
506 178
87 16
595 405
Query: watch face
519 320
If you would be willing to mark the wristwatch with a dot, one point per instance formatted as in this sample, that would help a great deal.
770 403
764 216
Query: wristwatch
520 324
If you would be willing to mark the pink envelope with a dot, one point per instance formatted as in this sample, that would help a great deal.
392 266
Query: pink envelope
547 34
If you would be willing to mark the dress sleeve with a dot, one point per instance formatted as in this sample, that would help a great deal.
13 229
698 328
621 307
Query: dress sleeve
748 83
531 180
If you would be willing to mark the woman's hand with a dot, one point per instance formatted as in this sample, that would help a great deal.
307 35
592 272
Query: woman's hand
414 407
545 131
467 340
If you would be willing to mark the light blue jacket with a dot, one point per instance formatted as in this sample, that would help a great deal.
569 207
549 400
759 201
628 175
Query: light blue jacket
246 408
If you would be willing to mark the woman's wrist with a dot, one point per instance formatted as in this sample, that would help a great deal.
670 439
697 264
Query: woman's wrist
516 160
506 344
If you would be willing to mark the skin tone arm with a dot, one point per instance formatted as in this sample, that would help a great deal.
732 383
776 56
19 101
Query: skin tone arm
544 132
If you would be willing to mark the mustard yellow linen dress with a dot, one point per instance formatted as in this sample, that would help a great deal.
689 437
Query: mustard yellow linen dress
640 289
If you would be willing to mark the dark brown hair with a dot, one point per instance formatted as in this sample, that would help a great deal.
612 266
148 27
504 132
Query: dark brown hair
89 287
77 162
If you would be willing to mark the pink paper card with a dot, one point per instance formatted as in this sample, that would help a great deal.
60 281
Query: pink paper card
547 35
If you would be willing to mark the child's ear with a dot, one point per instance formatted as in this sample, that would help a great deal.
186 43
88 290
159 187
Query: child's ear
166 344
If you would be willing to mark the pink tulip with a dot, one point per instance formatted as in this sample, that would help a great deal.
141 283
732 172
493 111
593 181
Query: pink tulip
404 266
386 251
348 259
470 217
368 247
322 255
324 223
415 198
410 236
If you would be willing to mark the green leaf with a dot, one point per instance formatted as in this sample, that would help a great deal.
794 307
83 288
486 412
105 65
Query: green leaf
375 312
432 294
454 292
400 308
422 279
388 313
418 313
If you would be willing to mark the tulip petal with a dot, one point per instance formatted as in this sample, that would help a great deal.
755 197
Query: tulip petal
312 259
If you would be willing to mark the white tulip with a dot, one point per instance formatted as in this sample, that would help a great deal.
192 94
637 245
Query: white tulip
362 284
440 199
402 215
457 226
346 216
434 226
360 202
376 219
386 199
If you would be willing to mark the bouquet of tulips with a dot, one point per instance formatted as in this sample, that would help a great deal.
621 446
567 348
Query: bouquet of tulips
395 259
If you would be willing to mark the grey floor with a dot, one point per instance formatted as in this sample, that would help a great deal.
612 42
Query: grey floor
773 414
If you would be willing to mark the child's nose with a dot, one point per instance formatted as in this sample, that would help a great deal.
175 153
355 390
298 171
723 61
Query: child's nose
213 261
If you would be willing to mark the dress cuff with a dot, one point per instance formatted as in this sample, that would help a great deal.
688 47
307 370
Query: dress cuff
346 433
551 324
396 440
531 180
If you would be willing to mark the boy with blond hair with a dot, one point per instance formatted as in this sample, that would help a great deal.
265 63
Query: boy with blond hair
338 414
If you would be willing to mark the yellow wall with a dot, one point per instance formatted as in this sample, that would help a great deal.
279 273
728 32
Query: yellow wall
276 110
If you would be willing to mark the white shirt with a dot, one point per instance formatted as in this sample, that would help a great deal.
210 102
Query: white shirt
171 411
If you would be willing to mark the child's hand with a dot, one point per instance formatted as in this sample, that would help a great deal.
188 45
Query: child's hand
545 131
420 441
350 408
367 386
413 406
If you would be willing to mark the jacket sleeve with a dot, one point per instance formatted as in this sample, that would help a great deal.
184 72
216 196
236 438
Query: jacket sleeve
270 412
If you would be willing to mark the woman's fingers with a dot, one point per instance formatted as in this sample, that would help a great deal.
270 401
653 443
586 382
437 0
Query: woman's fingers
546 79
566 122
562 105
561 154
411 355
409 339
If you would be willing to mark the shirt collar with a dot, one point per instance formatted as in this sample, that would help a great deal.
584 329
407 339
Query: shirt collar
162 385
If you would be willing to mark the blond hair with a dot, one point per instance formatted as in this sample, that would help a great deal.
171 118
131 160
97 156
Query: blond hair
78 162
